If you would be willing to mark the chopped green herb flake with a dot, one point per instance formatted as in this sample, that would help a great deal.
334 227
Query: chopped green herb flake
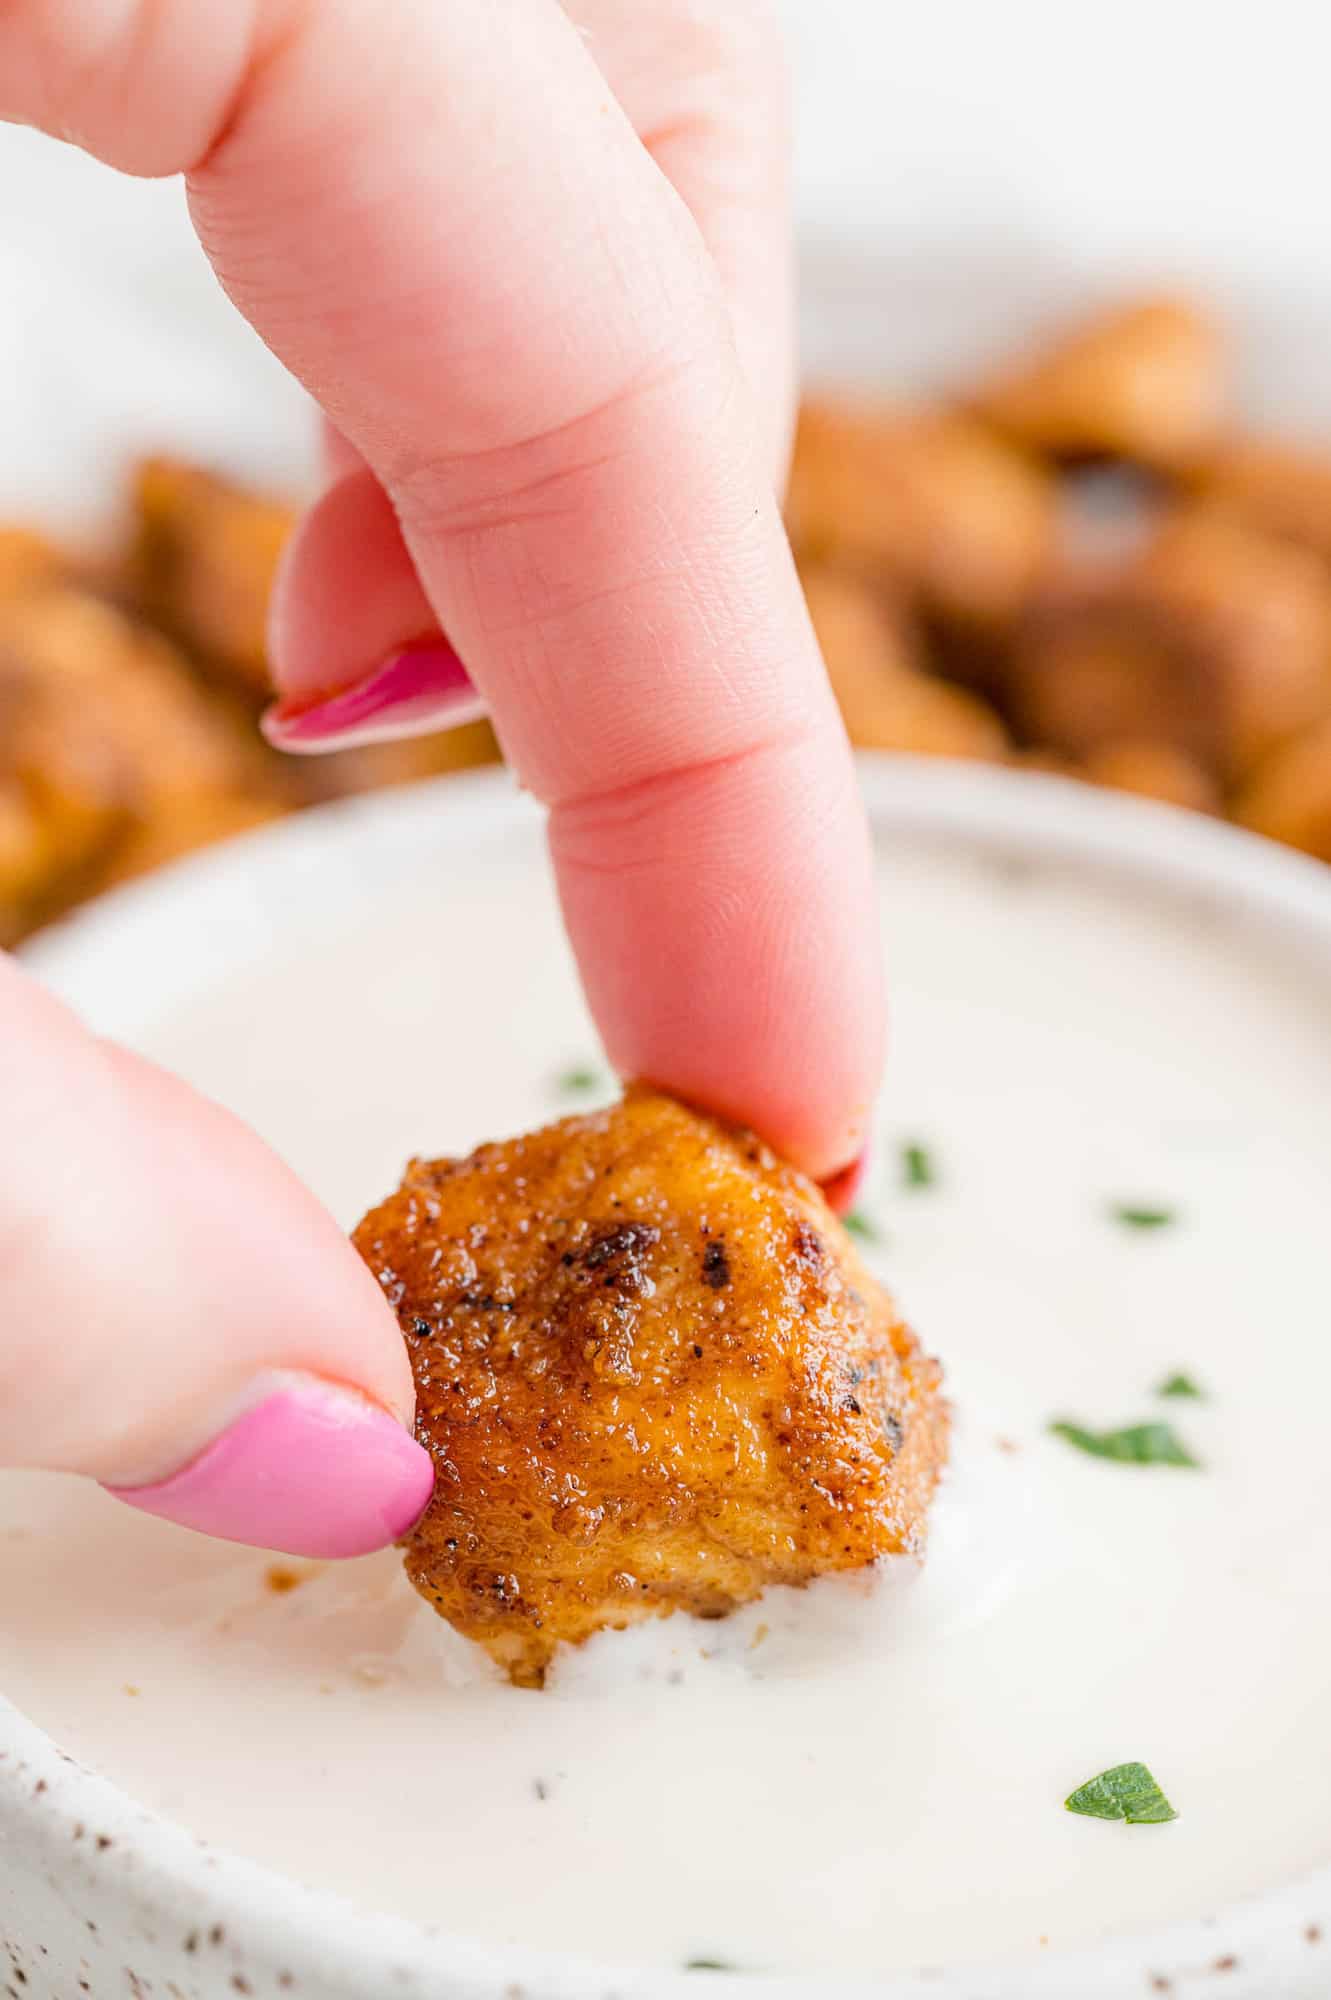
917 1167
578 1080
1132 1215
1180 1385
708 1965
1128 1792
859 1224
1134 1444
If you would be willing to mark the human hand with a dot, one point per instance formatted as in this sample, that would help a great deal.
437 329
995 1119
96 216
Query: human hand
531 261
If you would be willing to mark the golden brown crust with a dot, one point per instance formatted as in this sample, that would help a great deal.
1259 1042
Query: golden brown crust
653 1374
1147 381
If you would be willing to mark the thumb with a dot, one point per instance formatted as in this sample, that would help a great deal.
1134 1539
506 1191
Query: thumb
179 1318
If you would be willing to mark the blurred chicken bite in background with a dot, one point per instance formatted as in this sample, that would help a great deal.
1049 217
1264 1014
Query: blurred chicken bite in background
111 756
1210 640
880 674
1152 769
1160 623
931 499
129 690
1288 796
1280 488
202 560
1148 382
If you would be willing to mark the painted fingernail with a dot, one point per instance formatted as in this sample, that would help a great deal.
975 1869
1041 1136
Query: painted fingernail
312 1470
418 689
844 1189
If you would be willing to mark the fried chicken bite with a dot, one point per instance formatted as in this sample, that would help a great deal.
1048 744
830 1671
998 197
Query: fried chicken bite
1213 639
888 700
948 510
653 1374
1147 382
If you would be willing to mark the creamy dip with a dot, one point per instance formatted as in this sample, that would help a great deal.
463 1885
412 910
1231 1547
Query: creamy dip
869 1775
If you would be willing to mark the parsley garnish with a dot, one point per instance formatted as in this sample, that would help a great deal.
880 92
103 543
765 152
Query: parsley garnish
1133 1215
917 1167
577 1081
1134 1444
1180 1385
859 1224
1127 1792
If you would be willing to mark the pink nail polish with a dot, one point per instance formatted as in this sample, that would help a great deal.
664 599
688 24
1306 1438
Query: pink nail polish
844 1189
313 1470
421 688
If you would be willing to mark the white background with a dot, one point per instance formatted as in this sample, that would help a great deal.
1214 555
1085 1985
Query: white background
992 155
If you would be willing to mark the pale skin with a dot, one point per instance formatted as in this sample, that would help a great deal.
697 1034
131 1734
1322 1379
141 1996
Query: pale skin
531 261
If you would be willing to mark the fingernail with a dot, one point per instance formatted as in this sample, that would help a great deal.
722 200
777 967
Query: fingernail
416 690
845 1188
312 1470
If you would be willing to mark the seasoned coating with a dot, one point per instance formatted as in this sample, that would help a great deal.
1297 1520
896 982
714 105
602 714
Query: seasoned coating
104 740
1213 639
887 702
653 1374
1288 797
948 510
1147 381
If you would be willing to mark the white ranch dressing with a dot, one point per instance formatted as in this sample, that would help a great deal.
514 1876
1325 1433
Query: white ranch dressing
859 1777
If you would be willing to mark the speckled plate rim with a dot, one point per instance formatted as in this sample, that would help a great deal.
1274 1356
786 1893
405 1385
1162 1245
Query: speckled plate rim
252 890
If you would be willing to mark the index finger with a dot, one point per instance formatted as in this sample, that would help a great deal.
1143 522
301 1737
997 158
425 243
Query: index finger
438 216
